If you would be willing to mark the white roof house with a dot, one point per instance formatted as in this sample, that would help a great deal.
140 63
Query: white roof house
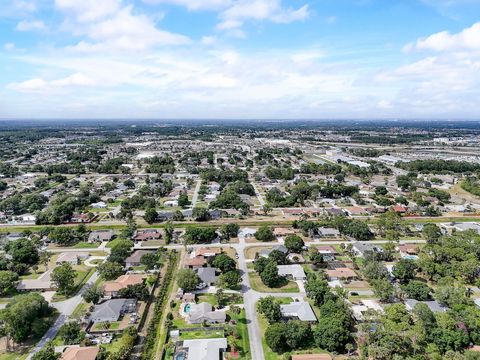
361 309
294 271
205 349
300 310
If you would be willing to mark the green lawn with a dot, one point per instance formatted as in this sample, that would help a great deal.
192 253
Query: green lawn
86 245
189 335
80 310
243 342
257 285
13 356
80 280
208 298
112 243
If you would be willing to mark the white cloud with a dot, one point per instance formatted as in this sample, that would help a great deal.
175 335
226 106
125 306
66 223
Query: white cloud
229 25
9 46
208 40
195 4
113 27
38 85
35 25
271 10
467 39
89 10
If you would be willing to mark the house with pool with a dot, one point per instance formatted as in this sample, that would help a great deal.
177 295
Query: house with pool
203 312
200 349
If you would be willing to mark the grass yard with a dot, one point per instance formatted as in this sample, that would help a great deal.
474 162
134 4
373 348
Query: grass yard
208 298
113 242
243 343
252 250
81 278
191 335
80 310
257 285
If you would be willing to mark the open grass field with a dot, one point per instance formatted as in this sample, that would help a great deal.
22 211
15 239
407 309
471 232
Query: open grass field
257 285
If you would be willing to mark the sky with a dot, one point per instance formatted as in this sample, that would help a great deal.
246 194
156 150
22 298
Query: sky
240 59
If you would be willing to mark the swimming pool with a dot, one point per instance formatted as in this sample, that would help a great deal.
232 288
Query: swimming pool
186 310
181 356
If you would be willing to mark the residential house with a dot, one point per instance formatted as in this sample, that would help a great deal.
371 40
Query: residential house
355 211
298 310
435 306
408 250
207 275
147 235
311 357
73 258
42 283
328 232
100 236
135 258
334 211
327 250
204 312
266 252
80 353
359 310
361 248
341 273
112 310
294 272
207 252
203 349
196 262
111 288
283 232
296 258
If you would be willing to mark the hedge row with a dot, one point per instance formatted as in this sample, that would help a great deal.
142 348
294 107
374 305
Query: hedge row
149 345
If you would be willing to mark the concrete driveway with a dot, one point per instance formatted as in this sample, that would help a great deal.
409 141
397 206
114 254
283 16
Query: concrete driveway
65 308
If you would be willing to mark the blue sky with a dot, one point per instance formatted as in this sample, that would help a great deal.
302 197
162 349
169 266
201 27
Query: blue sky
255 59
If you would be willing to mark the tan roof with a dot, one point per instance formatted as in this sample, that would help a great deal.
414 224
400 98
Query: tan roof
122 282
207 251
196 261
283 231
327 248
80 353
355 210
341 273
408 248
312 357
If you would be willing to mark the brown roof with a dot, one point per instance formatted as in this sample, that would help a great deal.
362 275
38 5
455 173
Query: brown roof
148 234
196 261
408 248
122 282
327 248
137 256
283 231
341 273
356 210
206 251
312 357
80 353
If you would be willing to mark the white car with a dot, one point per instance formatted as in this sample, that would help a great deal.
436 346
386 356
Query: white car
201 286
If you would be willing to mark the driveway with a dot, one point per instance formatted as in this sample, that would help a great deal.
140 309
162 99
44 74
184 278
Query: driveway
65 308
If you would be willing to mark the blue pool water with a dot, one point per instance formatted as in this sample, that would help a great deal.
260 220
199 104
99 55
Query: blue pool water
410 257
186 310
180 356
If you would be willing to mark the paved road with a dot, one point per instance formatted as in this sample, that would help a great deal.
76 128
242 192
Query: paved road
65 308
195 193
260 198
249 299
